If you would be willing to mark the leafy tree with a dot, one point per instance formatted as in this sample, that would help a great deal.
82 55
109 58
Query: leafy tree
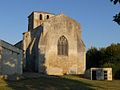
93 57
105 57
115 1
116 18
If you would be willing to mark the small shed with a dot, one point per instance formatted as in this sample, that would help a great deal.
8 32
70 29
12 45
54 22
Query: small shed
10 59
99 74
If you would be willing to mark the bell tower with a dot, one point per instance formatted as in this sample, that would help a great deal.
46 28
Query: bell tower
35 19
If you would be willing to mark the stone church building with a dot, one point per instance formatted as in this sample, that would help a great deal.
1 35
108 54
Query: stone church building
53 45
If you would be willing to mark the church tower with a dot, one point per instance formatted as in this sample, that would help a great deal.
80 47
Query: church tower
35 19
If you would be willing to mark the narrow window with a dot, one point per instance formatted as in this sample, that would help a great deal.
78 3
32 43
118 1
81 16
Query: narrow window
47 16
40 16
63 46
105 75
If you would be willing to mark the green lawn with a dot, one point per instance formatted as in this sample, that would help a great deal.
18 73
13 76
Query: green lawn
59 83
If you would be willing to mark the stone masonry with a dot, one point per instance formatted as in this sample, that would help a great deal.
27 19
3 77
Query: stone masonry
53 45
10 59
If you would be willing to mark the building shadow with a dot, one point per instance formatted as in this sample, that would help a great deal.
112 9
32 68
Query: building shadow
32 51
48 83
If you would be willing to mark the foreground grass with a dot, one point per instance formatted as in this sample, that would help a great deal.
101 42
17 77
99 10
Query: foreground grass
59 83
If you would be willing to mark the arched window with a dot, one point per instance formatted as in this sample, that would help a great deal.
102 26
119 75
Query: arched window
47 16
40 16
62 46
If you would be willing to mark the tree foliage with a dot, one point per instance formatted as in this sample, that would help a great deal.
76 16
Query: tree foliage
116 18
115 1
105 57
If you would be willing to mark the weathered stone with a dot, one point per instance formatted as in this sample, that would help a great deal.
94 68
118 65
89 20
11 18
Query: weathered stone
41 48
10 59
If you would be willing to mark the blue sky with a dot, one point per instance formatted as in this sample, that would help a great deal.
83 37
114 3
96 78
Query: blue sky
95 17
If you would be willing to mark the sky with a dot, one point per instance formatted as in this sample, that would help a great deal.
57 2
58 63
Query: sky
94 16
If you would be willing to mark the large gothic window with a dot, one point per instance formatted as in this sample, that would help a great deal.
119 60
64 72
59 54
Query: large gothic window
63 46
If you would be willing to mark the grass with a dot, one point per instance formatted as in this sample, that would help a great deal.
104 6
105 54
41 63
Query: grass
59 83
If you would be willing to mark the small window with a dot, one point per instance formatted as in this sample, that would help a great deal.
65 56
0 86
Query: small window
47 16
40 16
105 75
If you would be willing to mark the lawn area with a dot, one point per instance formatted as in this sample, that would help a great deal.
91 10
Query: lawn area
59 83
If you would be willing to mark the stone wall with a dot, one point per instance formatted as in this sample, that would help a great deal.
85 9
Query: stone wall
40 45
10 59
34 20
74 63
30 47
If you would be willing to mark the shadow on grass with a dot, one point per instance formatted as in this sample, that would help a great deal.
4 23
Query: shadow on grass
47 83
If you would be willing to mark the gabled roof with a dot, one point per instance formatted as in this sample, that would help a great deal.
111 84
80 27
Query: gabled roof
9 46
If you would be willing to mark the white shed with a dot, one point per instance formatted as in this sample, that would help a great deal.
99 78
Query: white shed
99 74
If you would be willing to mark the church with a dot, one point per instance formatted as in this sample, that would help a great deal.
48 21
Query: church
53 45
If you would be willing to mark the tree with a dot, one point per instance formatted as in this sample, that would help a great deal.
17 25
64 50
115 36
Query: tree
115 1
93 57
105 57
116 18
